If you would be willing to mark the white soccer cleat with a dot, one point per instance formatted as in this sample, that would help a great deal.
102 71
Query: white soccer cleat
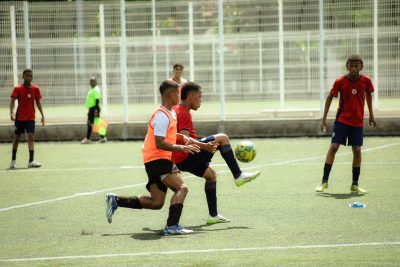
85 141
13 164
34 164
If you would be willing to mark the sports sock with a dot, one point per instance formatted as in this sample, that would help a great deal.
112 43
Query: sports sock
31 153
128 202
229 157
175 212
14 155
356 175
210 189
327 171
89 131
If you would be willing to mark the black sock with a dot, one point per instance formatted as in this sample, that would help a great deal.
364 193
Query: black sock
229 157
327 171
14 155
211 193
175 211
31 153
356 175
128 202
89 131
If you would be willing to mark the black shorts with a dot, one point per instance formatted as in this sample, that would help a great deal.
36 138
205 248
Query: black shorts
21 127
156 172
342 133
91 115
197 163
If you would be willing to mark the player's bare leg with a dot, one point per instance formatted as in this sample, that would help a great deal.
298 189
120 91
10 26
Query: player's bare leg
13 163
32 164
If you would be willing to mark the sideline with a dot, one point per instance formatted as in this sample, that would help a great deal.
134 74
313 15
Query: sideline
186 177
395 243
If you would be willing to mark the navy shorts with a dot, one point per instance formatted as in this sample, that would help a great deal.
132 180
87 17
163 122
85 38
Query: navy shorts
24 126
342 133
197 163
157 170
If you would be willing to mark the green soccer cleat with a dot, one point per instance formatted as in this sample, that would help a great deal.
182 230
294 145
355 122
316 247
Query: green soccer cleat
321 187
246 177
357 190
217 219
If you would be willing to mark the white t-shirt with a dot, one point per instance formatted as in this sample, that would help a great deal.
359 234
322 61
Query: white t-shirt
161 122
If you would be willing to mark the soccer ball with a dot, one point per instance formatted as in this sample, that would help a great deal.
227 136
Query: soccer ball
245 151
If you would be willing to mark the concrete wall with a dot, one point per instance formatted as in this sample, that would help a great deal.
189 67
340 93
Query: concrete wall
235 129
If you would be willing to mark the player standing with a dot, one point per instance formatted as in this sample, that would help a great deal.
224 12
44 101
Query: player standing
26 94
162 173
354 88
177 75
199 163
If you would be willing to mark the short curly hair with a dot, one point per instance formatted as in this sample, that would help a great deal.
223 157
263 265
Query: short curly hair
353 58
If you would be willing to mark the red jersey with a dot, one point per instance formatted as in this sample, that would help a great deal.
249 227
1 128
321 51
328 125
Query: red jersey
26 99
184 123
352 99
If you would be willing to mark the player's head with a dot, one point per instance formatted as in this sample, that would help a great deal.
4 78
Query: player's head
191 95
178 69
354 64
93 81
27 75
169 92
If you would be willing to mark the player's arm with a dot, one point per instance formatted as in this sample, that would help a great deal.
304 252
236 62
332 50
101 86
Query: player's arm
328 103
210 146
39 105
12 104
372 121
161 144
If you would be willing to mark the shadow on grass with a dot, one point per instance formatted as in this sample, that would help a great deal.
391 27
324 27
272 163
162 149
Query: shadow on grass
152 234
339 196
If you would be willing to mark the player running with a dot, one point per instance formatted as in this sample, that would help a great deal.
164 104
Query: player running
199 163
162 173
354 89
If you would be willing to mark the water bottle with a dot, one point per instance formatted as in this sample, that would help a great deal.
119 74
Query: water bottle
357 205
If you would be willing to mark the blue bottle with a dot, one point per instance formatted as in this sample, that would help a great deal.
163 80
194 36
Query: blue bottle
357 205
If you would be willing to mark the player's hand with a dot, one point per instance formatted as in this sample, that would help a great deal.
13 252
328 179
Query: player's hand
12 117
372 121
323 125
211 146
42 121
191 149
186 139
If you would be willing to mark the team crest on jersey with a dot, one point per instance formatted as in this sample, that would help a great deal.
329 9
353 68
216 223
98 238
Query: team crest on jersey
354 91
29 95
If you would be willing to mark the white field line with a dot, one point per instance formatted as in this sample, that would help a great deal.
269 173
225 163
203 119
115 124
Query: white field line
180 252
186 177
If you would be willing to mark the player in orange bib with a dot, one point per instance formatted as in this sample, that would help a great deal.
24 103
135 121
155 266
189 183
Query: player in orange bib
161 140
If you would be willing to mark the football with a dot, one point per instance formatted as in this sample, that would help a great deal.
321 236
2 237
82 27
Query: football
245 151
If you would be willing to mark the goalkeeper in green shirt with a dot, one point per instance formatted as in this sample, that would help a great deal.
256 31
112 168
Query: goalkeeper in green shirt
92 103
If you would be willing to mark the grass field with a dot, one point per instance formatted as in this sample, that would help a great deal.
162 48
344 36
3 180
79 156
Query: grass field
54 216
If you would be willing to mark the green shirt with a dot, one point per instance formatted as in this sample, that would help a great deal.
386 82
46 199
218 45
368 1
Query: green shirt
92 95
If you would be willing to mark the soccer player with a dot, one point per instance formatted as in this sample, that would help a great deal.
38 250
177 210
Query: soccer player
354 89
162 173
92 103
26 94
199 163
177 75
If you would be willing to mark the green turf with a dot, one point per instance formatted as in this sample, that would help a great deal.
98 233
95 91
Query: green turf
269 216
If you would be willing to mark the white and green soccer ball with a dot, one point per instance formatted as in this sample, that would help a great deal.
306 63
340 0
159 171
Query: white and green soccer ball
245 151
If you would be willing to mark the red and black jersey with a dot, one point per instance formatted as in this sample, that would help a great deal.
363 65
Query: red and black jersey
352 99
184 119
26 99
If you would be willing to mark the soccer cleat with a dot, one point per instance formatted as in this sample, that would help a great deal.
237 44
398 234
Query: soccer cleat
246 177
357 190
217 219
13 164
175 230
34 164
85 141
321 187
103 140
112 206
